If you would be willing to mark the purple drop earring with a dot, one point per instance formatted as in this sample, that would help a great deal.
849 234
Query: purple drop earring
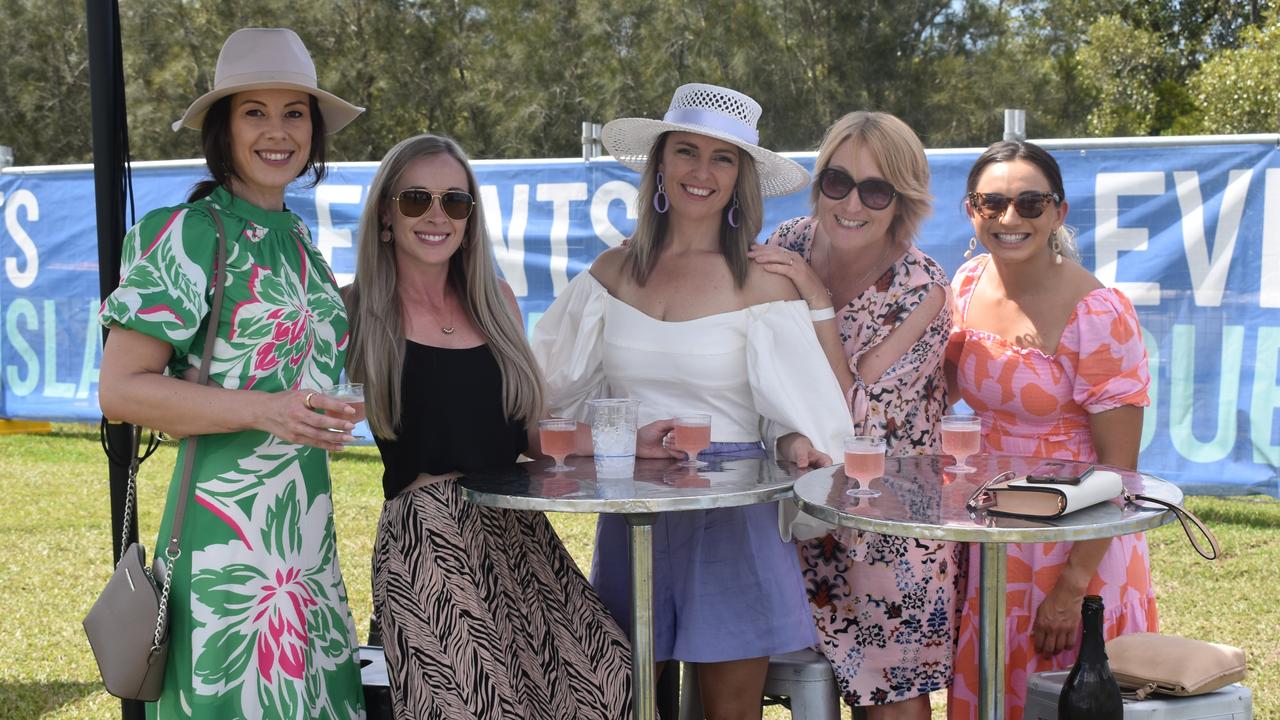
733 210
660 201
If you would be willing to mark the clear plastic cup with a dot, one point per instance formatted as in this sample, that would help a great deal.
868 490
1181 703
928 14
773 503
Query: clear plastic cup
614 422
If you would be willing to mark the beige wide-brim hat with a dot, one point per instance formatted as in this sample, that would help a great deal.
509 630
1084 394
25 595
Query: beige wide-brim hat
267 58
713 111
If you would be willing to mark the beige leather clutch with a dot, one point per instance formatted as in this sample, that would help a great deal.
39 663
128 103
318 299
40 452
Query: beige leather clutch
1146 663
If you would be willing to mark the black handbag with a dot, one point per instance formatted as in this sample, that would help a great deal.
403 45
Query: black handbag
128 626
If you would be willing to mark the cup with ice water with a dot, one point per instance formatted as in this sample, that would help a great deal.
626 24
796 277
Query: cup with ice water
614 422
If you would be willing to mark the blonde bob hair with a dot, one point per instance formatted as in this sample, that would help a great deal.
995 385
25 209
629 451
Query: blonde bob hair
899 153
376 354
651 226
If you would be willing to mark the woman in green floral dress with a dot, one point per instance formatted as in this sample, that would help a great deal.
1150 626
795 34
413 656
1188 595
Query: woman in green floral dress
260 625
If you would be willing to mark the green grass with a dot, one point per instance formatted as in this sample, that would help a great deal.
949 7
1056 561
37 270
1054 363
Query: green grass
55 549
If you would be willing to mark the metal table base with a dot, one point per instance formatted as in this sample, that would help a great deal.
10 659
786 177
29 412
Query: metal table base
921 500
655 486
645 698
991 641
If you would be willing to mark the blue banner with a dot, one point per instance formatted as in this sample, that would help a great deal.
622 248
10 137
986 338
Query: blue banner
1190 233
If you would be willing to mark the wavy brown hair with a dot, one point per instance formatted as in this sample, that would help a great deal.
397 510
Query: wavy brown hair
376 354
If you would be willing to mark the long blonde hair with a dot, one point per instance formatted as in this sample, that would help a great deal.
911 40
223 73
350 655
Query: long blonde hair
899 153
651 226
376 354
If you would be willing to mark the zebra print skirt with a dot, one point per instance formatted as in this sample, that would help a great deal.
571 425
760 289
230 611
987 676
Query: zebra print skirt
485 615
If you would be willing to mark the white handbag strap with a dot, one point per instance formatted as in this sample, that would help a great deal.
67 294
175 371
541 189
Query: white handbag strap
1184 516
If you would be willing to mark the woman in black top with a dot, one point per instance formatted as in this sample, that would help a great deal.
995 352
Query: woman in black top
483 612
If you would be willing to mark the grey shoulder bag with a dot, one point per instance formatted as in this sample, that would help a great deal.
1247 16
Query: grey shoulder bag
128 626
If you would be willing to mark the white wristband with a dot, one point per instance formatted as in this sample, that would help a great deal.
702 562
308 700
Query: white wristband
821 314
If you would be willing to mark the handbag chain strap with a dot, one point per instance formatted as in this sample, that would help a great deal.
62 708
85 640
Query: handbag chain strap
172 551
1184 516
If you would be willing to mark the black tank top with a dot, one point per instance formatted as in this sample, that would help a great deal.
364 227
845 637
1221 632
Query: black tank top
451 417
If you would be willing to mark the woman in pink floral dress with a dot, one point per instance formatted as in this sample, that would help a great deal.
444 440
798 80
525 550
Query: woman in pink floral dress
1054 364
260 625
884 605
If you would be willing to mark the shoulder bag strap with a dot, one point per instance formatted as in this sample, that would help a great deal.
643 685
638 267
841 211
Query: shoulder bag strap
1184 516
210 337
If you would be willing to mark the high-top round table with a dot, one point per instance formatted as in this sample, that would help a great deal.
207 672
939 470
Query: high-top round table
655 486
919 499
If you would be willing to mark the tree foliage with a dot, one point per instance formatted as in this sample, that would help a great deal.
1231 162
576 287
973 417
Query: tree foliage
1238 90
515 78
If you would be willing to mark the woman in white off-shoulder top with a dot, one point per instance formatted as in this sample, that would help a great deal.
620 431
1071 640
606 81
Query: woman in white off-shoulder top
681 320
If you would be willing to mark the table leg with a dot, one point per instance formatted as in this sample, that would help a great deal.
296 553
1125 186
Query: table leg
992 626
643 682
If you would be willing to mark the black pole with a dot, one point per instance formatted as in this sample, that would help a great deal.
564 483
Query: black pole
106 90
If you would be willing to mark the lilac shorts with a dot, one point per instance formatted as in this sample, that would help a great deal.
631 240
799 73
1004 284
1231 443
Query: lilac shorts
725 585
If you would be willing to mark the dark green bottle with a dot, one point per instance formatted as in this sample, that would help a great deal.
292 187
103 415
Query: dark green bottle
1091 692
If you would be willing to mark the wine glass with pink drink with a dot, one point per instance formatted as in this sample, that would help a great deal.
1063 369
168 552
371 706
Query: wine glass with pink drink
961 437
863 462
693 435
556 435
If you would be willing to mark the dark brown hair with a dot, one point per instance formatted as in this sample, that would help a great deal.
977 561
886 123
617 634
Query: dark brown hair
1010 150
215 140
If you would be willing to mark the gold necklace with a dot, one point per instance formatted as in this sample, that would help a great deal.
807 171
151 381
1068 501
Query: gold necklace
448 329
826 246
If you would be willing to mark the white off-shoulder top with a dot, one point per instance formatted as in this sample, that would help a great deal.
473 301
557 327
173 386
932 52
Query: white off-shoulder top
758 371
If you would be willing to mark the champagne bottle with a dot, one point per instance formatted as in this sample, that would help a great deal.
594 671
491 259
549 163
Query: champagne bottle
1091 691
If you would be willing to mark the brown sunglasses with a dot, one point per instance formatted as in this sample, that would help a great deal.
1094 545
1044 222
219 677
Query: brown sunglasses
1029 205
414 202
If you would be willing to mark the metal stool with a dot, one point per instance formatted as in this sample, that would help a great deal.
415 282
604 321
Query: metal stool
803 677
373 676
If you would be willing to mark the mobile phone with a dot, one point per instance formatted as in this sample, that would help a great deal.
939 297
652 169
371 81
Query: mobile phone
1060 472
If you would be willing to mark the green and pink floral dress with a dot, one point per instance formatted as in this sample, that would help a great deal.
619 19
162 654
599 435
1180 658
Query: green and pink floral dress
260 622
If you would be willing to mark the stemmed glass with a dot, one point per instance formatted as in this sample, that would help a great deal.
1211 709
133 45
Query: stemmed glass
693 435
961 437
863 462
556 436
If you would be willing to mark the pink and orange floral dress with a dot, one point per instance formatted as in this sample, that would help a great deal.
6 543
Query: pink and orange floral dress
885 606
1032 403
260 625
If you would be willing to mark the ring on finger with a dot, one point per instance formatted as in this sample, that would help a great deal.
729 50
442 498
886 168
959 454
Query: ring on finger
307 401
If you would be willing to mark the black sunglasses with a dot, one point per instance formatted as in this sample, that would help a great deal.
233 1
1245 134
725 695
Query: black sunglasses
1029 204
837 184
416 201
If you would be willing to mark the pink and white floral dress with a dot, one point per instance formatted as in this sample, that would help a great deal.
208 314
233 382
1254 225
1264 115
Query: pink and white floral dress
1032 403
260 622
885 606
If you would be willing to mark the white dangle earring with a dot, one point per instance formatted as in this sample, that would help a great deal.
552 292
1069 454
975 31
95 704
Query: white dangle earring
973 245
1055 246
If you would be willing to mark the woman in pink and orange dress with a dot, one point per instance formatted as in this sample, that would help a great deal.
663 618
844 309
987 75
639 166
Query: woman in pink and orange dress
1054 364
